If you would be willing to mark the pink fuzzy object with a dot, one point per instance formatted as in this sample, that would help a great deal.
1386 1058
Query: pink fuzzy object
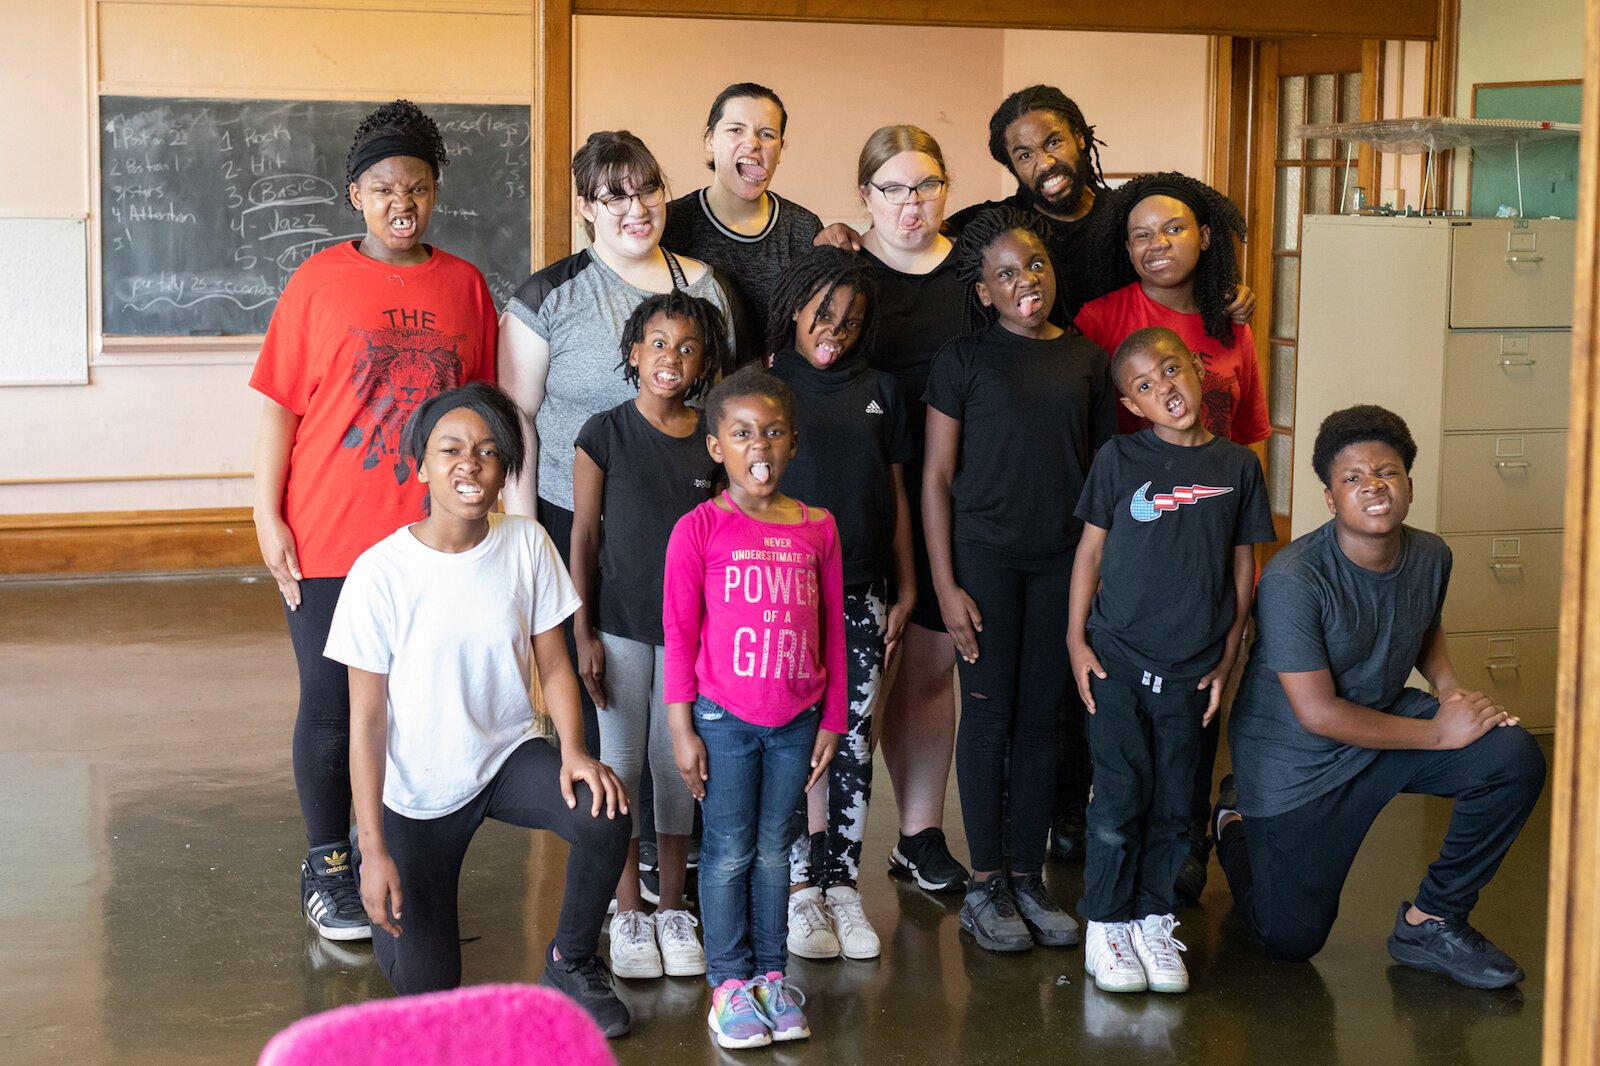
485 1025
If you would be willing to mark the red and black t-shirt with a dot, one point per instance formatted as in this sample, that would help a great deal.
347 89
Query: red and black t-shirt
354 347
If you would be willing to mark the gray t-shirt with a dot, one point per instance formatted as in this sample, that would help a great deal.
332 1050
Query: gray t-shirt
579 306
1317 610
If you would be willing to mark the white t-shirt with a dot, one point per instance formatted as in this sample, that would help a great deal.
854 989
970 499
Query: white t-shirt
454 634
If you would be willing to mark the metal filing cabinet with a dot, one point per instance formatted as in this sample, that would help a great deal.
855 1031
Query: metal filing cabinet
1462 326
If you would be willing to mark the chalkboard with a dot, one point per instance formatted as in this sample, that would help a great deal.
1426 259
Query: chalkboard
1549 167
209 205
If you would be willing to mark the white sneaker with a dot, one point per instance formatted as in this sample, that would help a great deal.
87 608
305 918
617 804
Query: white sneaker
681 953
1109 957
857 938
810 933
633 945
1158 951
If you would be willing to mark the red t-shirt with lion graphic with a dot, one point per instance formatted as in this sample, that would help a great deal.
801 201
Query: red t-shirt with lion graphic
354 347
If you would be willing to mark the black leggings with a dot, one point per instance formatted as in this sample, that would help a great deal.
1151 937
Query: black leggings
525 792
322 727
1010 698
1287 870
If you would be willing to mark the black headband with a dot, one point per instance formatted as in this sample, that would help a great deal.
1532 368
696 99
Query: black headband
387 144
428 415
1180 192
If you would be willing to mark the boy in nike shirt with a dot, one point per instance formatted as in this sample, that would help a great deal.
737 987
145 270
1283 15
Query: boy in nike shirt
1161 589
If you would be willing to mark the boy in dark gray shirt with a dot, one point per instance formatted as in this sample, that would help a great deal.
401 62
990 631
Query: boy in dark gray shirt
1324 732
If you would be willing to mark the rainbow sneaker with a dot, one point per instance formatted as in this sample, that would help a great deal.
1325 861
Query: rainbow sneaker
735 1016
780 1002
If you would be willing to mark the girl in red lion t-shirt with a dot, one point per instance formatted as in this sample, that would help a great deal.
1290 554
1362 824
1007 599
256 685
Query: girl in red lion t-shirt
364 332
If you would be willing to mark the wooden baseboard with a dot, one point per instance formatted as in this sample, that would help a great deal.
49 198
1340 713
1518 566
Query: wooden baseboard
128 541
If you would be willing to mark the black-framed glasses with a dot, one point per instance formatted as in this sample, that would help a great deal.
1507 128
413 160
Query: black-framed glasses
649 196
900 195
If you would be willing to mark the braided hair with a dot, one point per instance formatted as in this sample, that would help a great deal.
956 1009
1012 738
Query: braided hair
1045 98
976 237
404 129
825 268
1216 275
708 325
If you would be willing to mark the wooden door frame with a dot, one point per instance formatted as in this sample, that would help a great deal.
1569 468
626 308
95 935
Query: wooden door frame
1572 966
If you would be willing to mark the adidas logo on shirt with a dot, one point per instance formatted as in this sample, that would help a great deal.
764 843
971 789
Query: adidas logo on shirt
873 408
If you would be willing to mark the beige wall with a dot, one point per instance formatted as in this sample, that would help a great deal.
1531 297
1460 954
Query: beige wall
1536 40
839 84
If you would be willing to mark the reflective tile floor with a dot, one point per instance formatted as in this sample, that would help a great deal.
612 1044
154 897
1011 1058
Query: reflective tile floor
148 893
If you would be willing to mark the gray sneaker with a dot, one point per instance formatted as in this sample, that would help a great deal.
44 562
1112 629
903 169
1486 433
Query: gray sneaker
1050 925
990 915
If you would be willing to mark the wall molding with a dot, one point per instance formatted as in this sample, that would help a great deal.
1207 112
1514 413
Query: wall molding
107 542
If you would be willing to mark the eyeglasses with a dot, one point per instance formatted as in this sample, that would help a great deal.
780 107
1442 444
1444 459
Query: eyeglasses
649 196
900 195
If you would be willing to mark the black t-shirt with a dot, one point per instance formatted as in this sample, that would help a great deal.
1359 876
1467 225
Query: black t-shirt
652 480
917 314
1071 252
1032 413
852 426
748 265
1317 610
1172 517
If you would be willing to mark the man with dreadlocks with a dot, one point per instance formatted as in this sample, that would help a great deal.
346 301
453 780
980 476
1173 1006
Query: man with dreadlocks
1040 135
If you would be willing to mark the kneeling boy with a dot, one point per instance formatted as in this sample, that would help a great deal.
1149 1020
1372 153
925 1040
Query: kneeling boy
1324 732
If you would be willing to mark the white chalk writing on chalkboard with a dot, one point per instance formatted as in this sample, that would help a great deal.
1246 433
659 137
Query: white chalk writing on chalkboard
209 205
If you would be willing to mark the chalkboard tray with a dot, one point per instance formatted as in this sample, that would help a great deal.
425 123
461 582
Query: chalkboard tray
208 205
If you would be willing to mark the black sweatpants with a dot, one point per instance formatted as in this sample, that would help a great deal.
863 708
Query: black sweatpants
1287 870
526 792
1144 740
1011 696
321 746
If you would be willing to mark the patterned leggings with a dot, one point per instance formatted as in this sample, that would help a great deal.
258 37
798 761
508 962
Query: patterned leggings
833 857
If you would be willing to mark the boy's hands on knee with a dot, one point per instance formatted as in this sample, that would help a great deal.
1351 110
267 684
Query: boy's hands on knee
822 752
592 667
603 784
380 890
962 621
1084 663
1465 716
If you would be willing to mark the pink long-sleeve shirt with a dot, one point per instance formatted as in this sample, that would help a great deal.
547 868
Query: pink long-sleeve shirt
754 615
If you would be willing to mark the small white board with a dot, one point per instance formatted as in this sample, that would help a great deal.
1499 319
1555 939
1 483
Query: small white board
44 328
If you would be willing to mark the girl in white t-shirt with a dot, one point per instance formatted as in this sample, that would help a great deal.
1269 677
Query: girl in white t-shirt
436 622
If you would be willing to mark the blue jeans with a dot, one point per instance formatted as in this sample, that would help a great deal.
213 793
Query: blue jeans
755 775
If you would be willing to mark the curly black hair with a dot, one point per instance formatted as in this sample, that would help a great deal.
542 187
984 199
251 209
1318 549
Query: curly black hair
824 268
700 313
399 118
750 380
1216 276
1356 425
987 227
1044 98
498 411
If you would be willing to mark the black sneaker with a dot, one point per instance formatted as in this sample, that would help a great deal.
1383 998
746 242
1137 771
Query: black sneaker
587 982
1049 924
329 896
1453 948
1066 836
926 858
1192 875
990 914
